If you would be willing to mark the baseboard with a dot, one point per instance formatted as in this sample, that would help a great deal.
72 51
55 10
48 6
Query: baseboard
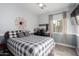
66 45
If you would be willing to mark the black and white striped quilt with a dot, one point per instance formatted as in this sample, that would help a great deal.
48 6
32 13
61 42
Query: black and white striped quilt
30 46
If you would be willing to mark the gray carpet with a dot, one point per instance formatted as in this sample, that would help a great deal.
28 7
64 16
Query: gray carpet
64 51
5 52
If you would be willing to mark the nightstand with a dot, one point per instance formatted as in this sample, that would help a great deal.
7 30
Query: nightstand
3 46
2 42
4 50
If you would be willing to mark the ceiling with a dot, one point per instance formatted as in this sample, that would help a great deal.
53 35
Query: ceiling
50 7
35 9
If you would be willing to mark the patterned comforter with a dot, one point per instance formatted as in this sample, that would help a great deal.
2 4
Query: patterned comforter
30 46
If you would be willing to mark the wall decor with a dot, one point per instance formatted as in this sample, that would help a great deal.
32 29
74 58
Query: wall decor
20 23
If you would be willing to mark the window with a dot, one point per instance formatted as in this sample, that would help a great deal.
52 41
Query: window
57 23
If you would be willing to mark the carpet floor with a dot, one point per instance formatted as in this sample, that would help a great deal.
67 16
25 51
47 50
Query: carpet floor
64 51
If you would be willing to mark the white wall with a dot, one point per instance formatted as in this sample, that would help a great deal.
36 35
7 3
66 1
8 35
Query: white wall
77 29
8 14
70 29
43 19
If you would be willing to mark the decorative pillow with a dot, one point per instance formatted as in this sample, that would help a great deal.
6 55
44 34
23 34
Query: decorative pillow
20 35
6 35
12 34
26 33
17 33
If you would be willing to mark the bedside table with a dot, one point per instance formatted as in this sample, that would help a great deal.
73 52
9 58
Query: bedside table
4 51
3 46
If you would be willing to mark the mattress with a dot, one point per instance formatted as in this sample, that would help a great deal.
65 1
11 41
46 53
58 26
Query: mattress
31 45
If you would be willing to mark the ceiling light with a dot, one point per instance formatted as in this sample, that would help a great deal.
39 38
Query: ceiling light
41 5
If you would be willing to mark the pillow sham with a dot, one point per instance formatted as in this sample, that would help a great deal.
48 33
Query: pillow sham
26 33
20 35
12 34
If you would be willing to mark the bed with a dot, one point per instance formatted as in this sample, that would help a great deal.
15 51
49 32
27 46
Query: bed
31 45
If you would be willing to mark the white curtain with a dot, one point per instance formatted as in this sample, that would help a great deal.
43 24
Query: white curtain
51 25
64 23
